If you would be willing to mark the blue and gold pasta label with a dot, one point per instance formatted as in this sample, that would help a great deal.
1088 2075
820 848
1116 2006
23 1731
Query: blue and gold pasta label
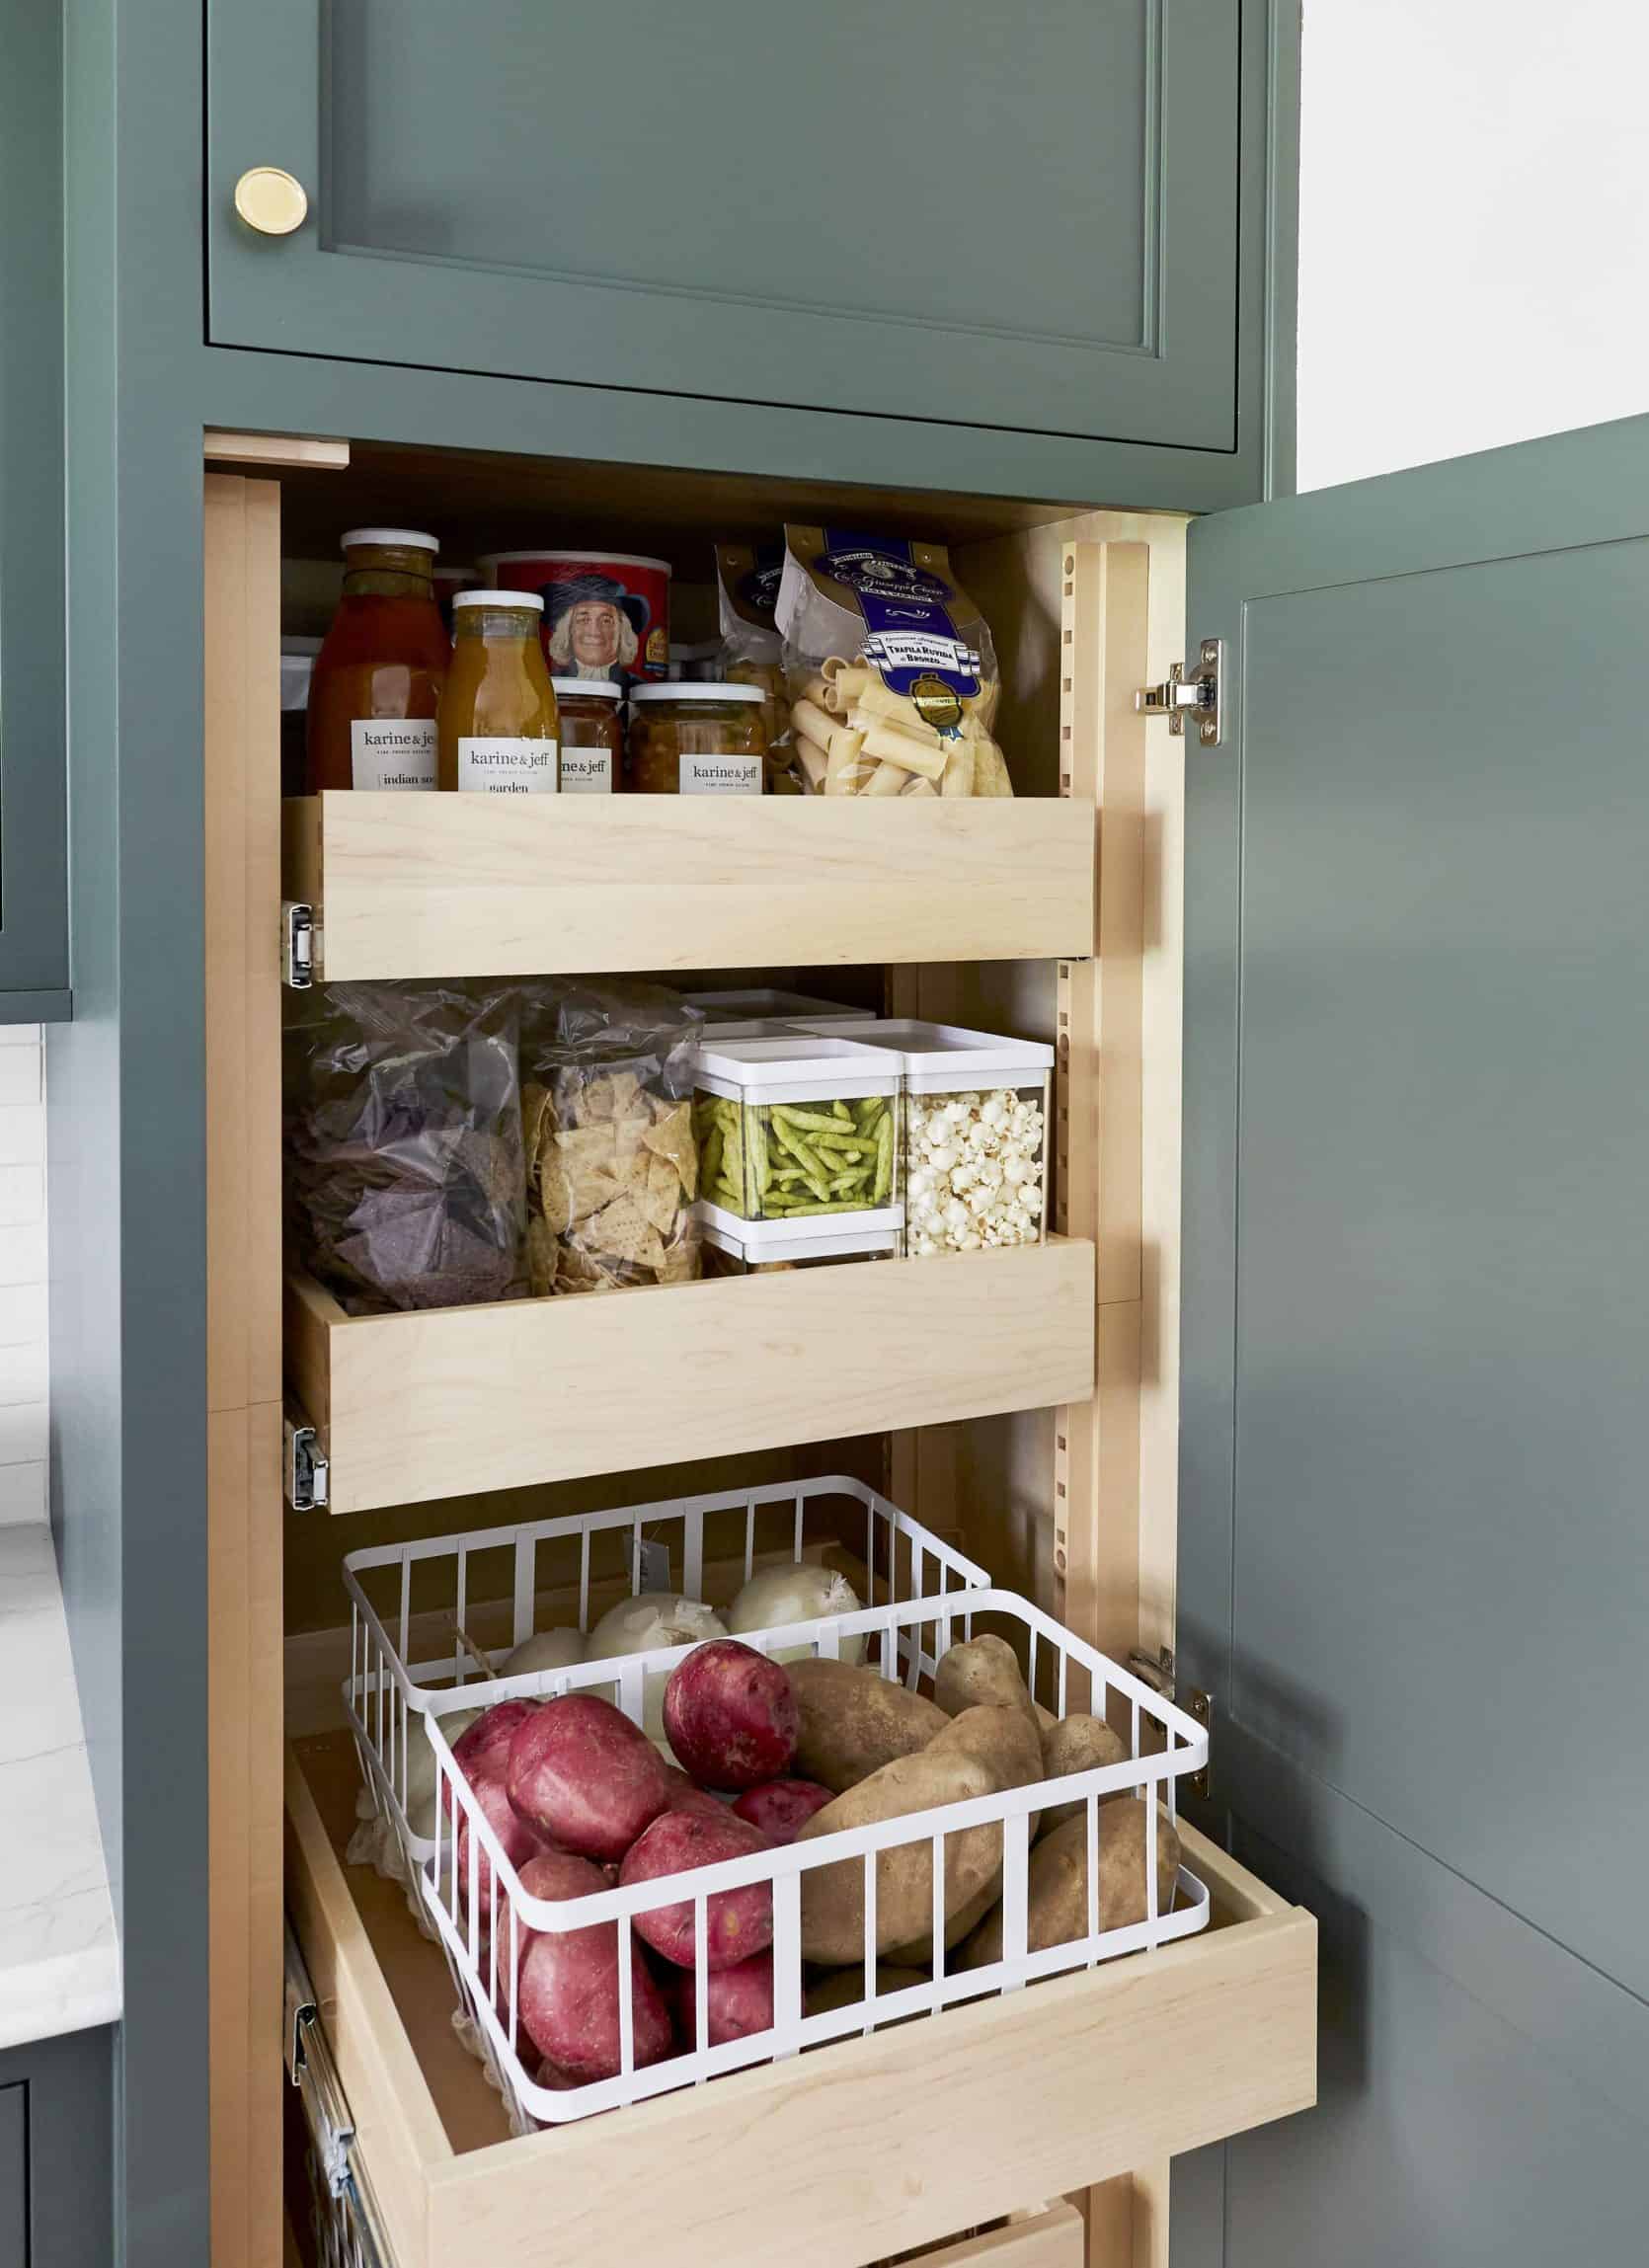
912 637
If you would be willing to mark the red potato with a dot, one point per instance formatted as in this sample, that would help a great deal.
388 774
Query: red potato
482 1750
736 1923
738 2001
521 1841
567 2001
585 1777
782 1808
684 1796
731 1716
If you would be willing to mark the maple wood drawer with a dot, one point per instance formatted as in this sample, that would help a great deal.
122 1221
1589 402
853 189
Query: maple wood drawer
444 1402
832 2160
426 886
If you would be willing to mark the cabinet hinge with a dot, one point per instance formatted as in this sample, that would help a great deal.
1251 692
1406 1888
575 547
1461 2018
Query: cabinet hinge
1158 1672
298 943
1196 696
307 1472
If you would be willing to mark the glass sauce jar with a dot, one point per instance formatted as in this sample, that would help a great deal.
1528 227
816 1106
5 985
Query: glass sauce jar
591 735
706 740
499 724
377 679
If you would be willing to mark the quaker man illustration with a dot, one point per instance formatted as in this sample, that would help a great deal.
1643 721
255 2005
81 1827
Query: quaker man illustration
598 628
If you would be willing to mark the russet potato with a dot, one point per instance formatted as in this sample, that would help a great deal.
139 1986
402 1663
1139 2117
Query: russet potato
853 1721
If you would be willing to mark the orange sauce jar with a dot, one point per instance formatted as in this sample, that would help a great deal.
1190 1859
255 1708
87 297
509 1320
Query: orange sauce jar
378 676
498 722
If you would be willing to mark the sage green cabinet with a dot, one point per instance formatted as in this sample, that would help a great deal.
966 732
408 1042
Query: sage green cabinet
1024 219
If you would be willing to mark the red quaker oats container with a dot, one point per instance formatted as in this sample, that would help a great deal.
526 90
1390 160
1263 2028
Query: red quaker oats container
606 613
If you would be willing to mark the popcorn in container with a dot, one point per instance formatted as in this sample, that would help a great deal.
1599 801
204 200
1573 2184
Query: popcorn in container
976 1111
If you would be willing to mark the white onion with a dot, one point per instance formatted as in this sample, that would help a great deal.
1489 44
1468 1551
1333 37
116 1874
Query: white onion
544 1650
421 1765
638 1626
781 1595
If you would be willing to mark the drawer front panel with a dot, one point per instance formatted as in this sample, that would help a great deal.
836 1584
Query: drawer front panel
418 886
839 2157
1022 219
450 1401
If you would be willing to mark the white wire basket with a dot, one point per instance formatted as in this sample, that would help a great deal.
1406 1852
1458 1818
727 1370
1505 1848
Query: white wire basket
486 1934
409 1600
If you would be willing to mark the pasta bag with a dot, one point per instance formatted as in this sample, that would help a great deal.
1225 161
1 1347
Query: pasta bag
753 654
891 667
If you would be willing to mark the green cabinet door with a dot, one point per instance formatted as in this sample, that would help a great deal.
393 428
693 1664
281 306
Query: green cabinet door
1414 1554
1018 217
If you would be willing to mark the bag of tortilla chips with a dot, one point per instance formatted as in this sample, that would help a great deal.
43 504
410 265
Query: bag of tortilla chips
607 1082
406 1182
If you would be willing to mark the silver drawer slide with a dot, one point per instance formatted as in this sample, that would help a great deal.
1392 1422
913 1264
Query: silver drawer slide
348 2229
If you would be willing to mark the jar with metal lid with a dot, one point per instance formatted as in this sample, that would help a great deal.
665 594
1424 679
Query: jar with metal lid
377 679
498 712
698 740
591 735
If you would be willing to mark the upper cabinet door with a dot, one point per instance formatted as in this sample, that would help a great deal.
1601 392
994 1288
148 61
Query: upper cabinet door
1018 217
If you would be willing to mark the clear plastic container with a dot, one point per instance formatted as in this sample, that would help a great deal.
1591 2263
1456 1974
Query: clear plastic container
976 1111
748 1014
733 1247
799 1128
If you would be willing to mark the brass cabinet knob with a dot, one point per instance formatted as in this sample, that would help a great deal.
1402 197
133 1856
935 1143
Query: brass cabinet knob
270 200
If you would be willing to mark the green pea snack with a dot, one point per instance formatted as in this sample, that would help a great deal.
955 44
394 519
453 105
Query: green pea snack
797 1127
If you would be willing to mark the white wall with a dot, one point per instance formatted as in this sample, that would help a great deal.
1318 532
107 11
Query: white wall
23 1356
1474 227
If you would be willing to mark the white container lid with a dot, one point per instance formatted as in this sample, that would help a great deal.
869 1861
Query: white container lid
403 538
745 1027
940 1059
492 560
697 690
764 1000
798 1063
588 688
830 1237
513 600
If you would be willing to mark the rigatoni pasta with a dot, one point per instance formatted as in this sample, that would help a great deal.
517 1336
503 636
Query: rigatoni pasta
891 669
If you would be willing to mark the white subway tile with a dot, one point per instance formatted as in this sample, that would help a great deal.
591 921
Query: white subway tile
23 1253
21 1195
23 1374
23 1315
23 1135
20 1077
24 1431
22 1494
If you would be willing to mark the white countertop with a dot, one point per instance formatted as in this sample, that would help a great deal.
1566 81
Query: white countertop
59 1964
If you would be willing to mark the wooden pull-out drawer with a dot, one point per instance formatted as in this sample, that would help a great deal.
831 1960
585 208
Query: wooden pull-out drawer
424 886
844 2156
1055 2238
448 1401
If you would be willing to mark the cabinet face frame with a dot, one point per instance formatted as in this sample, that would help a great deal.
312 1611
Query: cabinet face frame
1114 584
